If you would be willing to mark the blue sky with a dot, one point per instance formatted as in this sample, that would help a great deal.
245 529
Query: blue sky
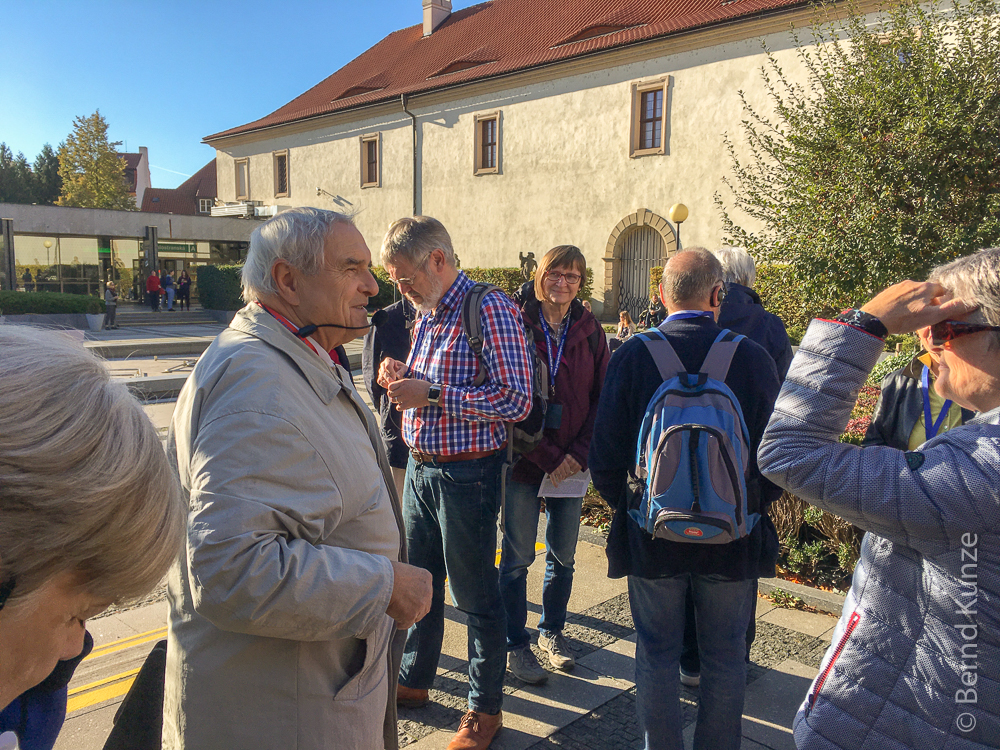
167 73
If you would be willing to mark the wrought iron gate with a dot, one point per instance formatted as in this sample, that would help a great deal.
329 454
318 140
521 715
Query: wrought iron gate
642 250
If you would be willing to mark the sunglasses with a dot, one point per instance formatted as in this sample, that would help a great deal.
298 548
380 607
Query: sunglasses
947 330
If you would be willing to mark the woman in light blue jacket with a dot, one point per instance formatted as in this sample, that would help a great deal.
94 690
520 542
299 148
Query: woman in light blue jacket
915 659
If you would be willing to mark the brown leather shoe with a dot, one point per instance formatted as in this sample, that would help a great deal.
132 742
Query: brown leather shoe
410 697
476 731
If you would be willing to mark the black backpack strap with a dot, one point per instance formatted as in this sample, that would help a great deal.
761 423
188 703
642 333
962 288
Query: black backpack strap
472 324
720 356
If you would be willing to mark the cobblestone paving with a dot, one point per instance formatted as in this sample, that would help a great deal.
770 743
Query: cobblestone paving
611 726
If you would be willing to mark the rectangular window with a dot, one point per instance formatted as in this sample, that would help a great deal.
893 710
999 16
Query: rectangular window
281 174
649 117
205 205
371 173
242 179
487 143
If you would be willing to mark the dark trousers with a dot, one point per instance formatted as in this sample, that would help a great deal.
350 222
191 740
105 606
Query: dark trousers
184 298
109 315
690 662
154 300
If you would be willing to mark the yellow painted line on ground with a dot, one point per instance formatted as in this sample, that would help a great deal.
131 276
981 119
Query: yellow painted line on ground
117 690
538 548
767 724
124 643
105 681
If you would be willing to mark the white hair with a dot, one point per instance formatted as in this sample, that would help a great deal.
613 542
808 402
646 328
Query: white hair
85 485
296 236
737 265
976 279
413 238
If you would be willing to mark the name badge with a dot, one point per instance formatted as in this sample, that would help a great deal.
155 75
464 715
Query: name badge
553 417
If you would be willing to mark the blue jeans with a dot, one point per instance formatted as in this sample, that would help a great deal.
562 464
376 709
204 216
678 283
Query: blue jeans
562 527
450 512
722 610
170 298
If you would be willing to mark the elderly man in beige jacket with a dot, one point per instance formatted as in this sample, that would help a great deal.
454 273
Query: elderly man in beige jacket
289 604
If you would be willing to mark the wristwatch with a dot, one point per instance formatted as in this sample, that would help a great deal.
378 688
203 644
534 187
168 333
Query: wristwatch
434 395
863 321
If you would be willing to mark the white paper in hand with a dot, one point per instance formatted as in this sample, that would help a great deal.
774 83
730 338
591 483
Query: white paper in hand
575 485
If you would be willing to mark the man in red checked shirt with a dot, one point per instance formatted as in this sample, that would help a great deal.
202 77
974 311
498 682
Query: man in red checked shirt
457 437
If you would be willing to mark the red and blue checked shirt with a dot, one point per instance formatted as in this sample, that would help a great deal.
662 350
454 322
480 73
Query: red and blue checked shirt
469 418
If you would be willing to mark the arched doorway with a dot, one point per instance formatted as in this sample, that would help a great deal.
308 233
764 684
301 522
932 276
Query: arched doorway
639 243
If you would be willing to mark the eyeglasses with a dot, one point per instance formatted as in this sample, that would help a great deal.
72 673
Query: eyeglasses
571 278
947 330
409 281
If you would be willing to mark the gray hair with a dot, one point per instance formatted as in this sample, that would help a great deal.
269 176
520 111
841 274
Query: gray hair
694 283
85 485
975 279
413 238
295 236
737 265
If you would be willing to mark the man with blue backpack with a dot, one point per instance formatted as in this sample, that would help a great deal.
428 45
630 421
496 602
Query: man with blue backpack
674 452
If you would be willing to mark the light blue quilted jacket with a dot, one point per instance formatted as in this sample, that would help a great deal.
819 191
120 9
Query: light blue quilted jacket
915 658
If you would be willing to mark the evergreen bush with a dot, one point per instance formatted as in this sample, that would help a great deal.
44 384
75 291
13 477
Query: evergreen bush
49 303
219 287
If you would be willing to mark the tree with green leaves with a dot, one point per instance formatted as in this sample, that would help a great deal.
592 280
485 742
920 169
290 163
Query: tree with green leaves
92 172
16 180
885 162
48 183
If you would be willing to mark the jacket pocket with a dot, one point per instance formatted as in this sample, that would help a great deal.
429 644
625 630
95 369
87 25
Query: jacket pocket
374 666
852 623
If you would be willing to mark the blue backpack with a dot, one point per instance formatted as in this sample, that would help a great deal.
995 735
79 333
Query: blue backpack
693 449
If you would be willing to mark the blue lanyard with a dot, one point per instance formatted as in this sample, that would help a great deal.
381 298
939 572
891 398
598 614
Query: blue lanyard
553 364
685 314
930 430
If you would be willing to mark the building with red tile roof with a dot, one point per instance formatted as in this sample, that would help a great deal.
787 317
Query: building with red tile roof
137 173
525 124
193 197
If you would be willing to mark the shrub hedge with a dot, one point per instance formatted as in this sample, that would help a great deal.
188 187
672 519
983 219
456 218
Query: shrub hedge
386 290
49 303
219 287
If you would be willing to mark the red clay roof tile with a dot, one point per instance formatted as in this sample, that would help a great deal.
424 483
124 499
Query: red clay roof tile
184 198
499 37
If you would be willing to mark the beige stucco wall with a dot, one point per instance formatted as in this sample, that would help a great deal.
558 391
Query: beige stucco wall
566 175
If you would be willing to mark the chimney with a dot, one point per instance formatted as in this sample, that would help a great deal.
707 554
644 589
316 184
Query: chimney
435 12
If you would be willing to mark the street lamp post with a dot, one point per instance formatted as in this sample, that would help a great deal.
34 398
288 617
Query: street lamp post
678 214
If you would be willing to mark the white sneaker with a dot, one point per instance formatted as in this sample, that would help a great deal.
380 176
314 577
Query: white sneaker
691 679
557 649
524 666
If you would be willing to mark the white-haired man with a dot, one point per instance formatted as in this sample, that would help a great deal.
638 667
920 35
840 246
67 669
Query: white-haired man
455 429
292 586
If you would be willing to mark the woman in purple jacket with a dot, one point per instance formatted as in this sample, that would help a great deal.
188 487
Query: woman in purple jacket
572 344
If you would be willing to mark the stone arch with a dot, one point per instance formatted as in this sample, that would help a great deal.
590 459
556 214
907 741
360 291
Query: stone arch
642 219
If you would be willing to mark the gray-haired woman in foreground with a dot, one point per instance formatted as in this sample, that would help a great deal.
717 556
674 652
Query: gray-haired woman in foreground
915 659
90 510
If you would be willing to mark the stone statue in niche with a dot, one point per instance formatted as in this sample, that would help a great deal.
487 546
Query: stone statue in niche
528 265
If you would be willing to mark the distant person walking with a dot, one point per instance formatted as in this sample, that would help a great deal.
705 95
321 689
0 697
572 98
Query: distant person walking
167 282
153 291
110 305
184 291
28 280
